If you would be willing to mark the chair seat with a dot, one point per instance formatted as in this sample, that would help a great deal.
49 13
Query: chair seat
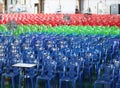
105 80
118 81
88 66
68 78
10 74
109 77
45 77
102 81
30 76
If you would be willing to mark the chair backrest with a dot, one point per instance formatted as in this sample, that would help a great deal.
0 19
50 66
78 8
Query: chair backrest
108 69
30 71
71 70
15 58
15 70
37 44
3 53
30 56
16 40
1 67
49 68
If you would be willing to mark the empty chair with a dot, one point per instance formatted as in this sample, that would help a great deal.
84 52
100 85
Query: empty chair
47 73
88 65
118 82
11 74
108 77
29 73
70 74
9 60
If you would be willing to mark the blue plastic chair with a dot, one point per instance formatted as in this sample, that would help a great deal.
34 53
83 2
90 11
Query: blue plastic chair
1 68
118 82
47 73
61 61
70 74
81 61
29 73
88 65
12 73
115 48
37 44
108 77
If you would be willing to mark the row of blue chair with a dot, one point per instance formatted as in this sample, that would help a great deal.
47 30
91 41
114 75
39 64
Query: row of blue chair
70 56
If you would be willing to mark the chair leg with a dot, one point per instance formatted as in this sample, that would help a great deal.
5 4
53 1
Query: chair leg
117 85
89 74
109 85
2 81
20 79
36 85
102 86
80 82
60 84
27 83
74 84
16 80
32 82
48 84
67 84
95 85
13 84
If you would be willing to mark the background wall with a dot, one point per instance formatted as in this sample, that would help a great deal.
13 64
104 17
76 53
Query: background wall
51 6
66 6
30 5
93 4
